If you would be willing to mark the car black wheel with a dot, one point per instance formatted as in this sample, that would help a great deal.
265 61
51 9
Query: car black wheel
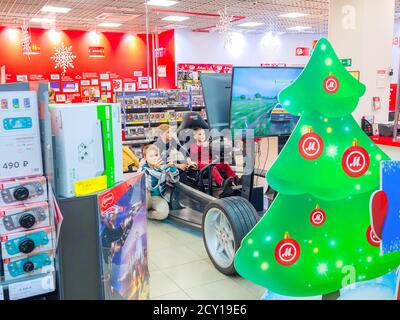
225 223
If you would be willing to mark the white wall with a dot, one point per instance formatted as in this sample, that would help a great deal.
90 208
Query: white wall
247 49
396 51
363 30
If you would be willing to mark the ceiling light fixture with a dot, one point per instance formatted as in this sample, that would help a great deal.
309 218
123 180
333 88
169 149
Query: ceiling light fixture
175 18
110 24
162 3
251 24
55 9
43 20
293 15
299 28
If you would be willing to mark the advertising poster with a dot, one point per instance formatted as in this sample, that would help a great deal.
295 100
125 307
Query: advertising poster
123 234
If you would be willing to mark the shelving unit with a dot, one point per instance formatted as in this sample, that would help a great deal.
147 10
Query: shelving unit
166 106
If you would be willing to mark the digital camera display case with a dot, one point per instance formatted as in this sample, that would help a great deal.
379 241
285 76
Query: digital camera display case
23 267
24 244
24 217
20 146
23 191
88 144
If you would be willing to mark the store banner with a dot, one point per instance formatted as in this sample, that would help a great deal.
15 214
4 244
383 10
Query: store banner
123 234
273 65
218 68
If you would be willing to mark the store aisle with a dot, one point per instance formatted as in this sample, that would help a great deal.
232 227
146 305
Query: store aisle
181 270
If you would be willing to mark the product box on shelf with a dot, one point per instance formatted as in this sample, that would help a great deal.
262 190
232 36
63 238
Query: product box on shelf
24 244
23 191
21 267
24 217
20 148
88 144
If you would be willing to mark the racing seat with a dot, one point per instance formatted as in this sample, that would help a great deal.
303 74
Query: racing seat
200 179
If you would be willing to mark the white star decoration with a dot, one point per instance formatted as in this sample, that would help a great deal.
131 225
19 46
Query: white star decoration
225 26
64 58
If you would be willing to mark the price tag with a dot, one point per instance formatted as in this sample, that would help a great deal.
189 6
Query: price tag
1 293
89 186
31 288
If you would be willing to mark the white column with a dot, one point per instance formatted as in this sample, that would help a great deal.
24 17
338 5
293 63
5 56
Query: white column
363 31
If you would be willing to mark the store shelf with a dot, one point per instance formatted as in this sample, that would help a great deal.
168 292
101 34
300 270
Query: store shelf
28 287
156 109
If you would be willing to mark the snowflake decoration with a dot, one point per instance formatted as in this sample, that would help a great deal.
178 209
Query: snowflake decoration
26 39
225 26
63 57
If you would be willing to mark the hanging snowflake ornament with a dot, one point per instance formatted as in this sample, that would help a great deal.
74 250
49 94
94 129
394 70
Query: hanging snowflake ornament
26 39
225 26
63 58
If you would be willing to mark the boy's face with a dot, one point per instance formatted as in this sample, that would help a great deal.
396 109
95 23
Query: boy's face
168 135
200 135
152 157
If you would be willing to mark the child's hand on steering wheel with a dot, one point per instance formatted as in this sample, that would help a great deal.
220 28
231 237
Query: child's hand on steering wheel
193 165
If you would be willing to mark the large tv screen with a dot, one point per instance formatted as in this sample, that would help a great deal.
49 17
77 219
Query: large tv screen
217 98
254 100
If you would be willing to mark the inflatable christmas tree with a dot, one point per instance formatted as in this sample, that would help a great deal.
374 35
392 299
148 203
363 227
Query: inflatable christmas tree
316 238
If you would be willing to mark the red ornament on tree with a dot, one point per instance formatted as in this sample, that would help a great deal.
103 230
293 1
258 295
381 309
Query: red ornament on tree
287 251
331 84
355 161
311 146
372 238
317 217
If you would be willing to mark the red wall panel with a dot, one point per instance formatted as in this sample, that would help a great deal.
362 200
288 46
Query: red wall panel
124 54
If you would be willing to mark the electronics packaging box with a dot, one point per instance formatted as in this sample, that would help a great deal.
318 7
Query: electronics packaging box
88 144
24 217
28 243
20 148
23 191
17 268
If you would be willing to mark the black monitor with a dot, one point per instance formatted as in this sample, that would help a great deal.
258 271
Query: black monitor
217 98
254 100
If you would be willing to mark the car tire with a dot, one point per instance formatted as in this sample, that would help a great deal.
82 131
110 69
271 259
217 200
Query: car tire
225 223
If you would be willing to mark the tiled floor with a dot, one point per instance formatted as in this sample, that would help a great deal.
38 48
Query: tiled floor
181 270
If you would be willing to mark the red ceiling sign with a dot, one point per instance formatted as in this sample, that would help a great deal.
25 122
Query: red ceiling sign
302 52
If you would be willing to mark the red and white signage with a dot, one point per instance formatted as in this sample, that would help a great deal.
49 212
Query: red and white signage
311 146
317 217
376 101
96 52
393 97
287 252
144 83
162 71
355 161
331 84
302 52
